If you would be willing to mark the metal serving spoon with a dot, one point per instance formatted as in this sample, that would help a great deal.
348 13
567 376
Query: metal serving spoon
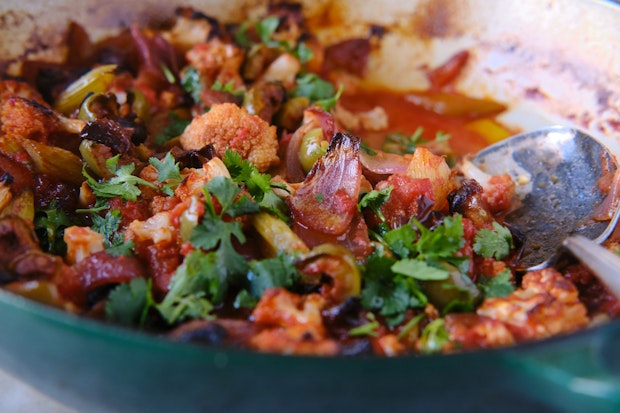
558 171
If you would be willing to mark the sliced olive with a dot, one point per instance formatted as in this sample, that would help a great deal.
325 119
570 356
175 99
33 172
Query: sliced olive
95 81
457 289
312 148
338 264
95 155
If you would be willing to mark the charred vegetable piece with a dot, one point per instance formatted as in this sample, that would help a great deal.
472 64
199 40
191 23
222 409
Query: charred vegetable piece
278 236
51 160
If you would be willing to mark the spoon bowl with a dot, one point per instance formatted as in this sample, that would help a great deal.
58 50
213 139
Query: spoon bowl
558 171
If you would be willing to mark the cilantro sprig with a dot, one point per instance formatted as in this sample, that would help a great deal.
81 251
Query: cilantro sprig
123 184
493 243
401 144
388 293
422 249
175 127
434 337
196 285
374 200
113 239
129 303
168 173
498 286
392 282
259 185
215 232
50 224
266 29
318 91
190 82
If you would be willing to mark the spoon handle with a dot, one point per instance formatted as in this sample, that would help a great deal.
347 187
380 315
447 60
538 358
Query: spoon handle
601 261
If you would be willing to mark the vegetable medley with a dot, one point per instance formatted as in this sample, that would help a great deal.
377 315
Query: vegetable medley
241 185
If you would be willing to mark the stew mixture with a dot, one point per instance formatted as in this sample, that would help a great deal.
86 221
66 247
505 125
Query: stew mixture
240 185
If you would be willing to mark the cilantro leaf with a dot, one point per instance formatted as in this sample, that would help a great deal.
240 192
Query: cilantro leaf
498 286
419 270
108 226
374 199
113 240
401 240
388 293
129 303
214 233
368 329
167 168
495 243
190 82
401 144
328 103
241 35
245 300
303 53
443 241
434 337
259 185
226 191
272 272
193 288
167 171
50 226
125 248
228 88
313 87
123 184
317 90
266 28
175 127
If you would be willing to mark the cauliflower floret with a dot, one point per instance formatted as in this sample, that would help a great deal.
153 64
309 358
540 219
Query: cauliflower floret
227 126
81 242
194 180
294 324
27 118
547 304
11 87
216 60
158 228
472 331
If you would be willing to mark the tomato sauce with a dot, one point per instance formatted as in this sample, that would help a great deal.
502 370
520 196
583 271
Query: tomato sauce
405 117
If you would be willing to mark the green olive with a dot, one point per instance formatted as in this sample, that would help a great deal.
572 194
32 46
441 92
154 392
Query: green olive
95 81
291 113
312 148
336 262
95 156
457 288
139 104
97 105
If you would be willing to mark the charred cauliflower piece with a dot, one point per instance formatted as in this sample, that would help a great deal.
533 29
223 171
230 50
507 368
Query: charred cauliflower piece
227 126
547 304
